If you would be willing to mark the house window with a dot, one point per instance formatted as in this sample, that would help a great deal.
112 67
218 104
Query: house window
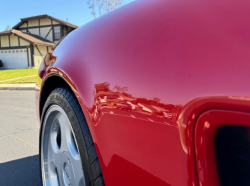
57 33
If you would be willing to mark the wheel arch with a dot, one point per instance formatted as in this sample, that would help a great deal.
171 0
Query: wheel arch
52 82
54 78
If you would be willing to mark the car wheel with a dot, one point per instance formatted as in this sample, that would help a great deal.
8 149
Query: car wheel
67 152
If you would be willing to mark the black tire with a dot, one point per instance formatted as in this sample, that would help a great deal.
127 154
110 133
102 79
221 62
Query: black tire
90 163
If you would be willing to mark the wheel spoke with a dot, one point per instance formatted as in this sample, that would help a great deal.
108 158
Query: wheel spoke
54 156
78 171
53 163
65 132
61 160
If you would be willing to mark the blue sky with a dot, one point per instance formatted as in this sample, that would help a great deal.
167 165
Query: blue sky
76 11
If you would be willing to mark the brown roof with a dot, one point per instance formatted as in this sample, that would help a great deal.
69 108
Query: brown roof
44 16
5 32
34 39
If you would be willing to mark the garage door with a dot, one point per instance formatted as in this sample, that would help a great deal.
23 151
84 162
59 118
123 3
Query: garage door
15 58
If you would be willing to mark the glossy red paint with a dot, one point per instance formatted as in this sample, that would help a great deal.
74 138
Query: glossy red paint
145 79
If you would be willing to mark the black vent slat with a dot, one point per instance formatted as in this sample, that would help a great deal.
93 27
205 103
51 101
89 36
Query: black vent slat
233 155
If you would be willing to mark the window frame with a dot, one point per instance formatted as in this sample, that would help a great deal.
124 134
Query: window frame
59 34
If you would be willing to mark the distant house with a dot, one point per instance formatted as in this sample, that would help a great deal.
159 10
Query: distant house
28 42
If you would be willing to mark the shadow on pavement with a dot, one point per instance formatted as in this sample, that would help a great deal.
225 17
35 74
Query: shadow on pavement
23 171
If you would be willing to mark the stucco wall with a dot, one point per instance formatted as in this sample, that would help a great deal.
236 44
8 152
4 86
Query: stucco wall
5 41
45 22
43 50
33 23
50 36
34 31
24 25
37 60
14 41
55 22
23 42
37 56
44 31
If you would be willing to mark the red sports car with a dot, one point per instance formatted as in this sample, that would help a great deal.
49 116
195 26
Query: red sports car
155 93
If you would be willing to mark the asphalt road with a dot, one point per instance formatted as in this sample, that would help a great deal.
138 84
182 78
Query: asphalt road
19 133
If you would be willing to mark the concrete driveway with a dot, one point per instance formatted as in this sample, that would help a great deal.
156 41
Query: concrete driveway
19 133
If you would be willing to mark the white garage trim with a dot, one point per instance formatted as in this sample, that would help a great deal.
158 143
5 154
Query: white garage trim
15 57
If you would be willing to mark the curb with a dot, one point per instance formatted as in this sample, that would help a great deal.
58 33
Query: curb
17 86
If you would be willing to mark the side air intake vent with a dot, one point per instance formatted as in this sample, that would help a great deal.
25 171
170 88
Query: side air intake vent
233 155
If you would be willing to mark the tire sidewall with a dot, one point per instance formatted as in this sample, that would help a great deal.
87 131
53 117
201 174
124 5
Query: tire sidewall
56 98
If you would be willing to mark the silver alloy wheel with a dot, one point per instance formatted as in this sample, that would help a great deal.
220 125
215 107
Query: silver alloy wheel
60 159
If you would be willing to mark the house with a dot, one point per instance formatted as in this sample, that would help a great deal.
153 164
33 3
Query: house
28 42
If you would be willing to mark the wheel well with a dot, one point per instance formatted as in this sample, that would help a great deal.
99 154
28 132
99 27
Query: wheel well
50 84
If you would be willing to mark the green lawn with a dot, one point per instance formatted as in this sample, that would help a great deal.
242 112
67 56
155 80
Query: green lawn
16 73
